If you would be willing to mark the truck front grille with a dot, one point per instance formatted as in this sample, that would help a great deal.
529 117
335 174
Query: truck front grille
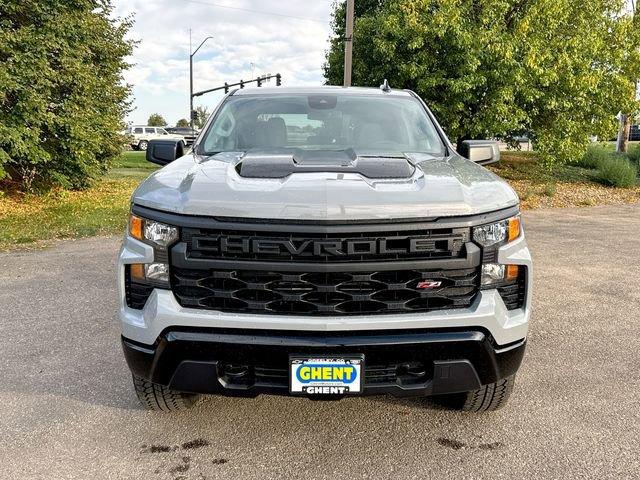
335 293
233 265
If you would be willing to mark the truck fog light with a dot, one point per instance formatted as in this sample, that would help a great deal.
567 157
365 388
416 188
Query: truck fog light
512 272
157 272
492 273
137 272
153 273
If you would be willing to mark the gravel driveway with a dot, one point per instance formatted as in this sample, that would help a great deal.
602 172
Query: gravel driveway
67 409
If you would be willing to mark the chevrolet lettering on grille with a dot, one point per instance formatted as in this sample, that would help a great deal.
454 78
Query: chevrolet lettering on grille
311 247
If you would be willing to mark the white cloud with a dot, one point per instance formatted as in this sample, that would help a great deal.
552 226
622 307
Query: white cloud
160 75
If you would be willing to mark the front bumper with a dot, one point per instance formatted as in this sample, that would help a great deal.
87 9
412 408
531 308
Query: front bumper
421 353
401 363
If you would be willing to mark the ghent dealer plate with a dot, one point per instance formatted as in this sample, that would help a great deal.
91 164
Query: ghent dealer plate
326 376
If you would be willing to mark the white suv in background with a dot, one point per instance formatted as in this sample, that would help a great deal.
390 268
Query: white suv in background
141 134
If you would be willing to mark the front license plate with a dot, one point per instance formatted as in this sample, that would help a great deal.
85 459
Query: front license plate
326 376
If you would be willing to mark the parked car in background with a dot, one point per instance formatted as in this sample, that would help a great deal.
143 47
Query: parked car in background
634 134
140 135
189 134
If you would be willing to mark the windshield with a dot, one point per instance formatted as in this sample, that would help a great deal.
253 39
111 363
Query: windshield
368 124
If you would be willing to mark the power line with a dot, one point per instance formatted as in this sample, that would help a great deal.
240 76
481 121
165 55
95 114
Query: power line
260 12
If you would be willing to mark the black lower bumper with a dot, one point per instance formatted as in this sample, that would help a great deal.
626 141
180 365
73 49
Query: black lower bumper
401 363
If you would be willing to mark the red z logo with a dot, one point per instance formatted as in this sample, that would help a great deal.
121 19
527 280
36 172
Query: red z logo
425 284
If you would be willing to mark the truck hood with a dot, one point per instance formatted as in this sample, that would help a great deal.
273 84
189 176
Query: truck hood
212 186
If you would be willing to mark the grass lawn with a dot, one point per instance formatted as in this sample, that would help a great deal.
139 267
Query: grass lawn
563 186
102 210
131 165
99 210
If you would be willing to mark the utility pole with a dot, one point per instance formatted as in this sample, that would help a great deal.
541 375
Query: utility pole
348 44
191 54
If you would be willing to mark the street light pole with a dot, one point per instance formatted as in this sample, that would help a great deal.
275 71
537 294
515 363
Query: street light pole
191 54
348 43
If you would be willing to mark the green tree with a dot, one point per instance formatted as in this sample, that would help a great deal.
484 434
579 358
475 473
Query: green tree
156 120
556 70
183 122
202 113
62 96
631 65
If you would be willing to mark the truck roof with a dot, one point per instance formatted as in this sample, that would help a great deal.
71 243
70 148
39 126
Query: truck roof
334 90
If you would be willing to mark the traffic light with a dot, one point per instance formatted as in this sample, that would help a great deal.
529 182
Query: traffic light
278 80
194 115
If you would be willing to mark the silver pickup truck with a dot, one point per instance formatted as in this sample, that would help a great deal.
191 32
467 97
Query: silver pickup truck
324 242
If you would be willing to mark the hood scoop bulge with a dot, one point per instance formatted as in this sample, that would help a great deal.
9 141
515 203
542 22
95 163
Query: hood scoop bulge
274 164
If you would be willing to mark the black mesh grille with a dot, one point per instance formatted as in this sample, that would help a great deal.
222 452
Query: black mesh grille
325 247
324 293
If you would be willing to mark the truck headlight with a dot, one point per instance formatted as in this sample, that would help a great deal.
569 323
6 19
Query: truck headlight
491 237
497 233
158 233
161 236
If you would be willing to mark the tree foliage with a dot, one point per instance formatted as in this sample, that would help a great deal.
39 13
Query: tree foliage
202 113
62 98
156 120
183 122
557 70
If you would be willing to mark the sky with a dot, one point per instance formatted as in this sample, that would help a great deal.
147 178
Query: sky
291 40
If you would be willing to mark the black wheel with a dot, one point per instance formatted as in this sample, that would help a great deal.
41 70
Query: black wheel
160 398
489 397
143 145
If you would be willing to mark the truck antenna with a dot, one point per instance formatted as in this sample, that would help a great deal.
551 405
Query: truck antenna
385 86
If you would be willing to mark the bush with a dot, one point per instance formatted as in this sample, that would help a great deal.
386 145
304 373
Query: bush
618 171
550 189
62 96
634 155
594 156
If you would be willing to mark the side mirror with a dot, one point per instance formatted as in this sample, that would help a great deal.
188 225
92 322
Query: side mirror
163 152
482 152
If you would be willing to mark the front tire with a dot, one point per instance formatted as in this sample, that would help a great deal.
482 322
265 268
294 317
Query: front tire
487 398
159 398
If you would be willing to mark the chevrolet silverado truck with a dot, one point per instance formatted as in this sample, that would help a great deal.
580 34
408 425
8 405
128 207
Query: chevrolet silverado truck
324 242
